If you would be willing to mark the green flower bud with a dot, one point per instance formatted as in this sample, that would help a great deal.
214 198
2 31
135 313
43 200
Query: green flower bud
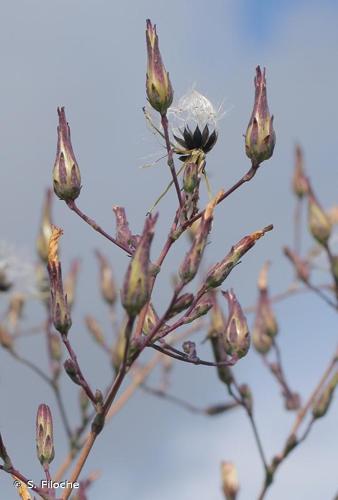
107 285
219 272
182 303
299 181
322 404
191 263
44 435
95 329
66 173
236 334
72 371
135 292
260 136
59 306
203 306
319 223
230 483
302 267
45 231
159 91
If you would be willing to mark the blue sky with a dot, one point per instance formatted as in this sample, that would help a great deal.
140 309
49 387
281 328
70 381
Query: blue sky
91 58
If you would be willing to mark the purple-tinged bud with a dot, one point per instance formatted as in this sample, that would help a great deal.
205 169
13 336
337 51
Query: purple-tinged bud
44 435
322 404
159 90
119 347
236 334
302 267
59 306
261 341
95 330
70 282
192 260
223 371
190 177
182 302
45 231
203 306
72 371
66 172
299 181
107 285
215 334
292 401
265 325
220 271
123 233
319 222
135 292
260 136
230 483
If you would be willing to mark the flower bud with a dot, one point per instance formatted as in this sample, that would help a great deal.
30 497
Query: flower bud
45 232
70 282
107 285
119 347
44 435
230 482
66 173
72 371
191 263
159 91
321 405
265 322
135 292
181 303
260 136
236 335
302 267
203 306
59 306
299 181
223 371
319 223
219 272
95 330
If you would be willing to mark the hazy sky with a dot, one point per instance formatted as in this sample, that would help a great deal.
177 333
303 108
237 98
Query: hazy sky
90 56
